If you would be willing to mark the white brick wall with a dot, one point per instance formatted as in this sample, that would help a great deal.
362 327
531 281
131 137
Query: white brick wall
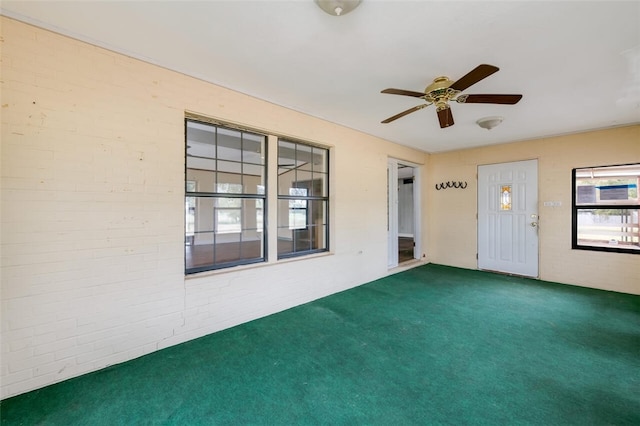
92 211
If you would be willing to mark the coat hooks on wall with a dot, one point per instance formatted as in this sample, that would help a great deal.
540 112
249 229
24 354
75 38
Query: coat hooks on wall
450 184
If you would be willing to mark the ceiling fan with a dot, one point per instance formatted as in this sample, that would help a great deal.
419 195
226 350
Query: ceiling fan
443 90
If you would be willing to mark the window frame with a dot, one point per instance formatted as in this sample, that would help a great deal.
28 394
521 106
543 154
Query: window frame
308 200
576 208
215 195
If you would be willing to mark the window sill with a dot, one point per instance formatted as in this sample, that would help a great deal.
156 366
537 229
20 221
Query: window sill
241 268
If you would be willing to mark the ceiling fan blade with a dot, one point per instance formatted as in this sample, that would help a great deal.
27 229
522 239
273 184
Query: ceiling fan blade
445 117
491 99
403 113
478 73
403 92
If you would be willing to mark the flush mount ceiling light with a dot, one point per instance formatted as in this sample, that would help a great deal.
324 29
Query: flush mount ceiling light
489 122
337 7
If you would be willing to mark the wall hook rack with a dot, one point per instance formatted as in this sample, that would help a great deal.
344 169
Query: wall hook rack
451 184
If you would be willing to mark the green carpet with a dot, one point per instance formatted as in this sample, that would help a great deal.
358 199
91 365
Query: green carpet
432 345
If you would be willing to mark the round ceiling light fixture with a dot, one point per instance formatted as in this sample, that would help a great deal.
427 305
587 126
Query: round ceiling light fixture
337 7
489 122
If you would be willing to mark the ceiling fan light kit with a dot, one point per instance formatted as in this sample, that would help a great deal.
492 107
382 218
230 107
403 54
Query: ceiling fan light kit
489 122
443 90
337 7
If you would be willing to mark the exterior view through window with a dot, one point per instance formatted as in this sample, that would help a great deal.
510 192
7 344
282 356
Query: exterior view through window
606 208
224 197
303 199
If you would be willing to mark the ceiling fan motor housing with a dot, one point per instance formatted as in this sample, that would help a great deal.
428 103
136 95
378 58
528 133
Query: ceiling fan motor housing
439 92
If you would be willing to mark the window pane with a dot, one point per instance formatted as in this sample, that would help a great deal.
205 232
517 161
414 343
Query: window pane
228 203
201 254
298 192
286 154
251 249
297 219
505 197
609 228
229 188
320 160
303 179
318 210
234 247
253 149
259 218
229 143
252 216
202 163
228 220
204 180
202 216
286 181
190 217
320 185
200 140
303 155
283 214
229 179
253 179
229 167
607 185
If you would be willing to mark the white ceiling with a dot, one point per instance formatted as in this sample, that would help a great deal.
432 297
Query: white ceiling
577 63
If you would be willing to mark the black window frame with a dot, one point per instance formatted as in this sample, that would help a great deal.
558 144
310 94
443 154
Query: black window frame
309 199
576 208
198 194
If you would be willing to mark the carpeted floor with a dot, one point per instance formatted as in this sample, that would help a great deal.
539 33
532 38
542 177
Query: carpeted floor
432 345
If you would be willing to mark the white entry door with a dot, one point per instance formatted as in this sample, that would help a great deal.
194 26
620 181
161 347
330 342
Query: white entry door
508 217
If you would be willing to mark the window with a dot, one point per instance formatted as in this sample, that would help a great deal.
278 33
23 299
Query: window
224 197
606 208
303 199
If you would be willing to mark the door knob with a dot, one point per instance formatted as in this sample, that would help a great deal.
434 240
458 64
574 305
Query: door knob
534 224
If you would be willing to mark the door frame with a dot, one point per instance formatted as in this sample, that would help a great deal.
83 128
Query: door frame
392 210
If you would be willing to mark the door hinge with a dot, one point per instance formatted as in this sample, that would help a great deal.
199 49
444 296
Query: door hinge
476 256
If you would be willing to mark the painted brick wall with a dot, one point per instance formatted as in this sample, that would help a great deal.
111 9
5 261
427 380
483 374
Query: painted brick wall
93 203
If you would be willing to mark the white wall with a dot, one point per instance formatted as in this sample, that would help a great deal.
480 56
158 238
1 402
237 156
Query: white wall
93 211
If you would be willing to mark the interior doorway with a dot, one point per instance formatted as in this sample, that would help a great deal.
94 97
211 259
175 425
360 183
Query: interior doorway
403 205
